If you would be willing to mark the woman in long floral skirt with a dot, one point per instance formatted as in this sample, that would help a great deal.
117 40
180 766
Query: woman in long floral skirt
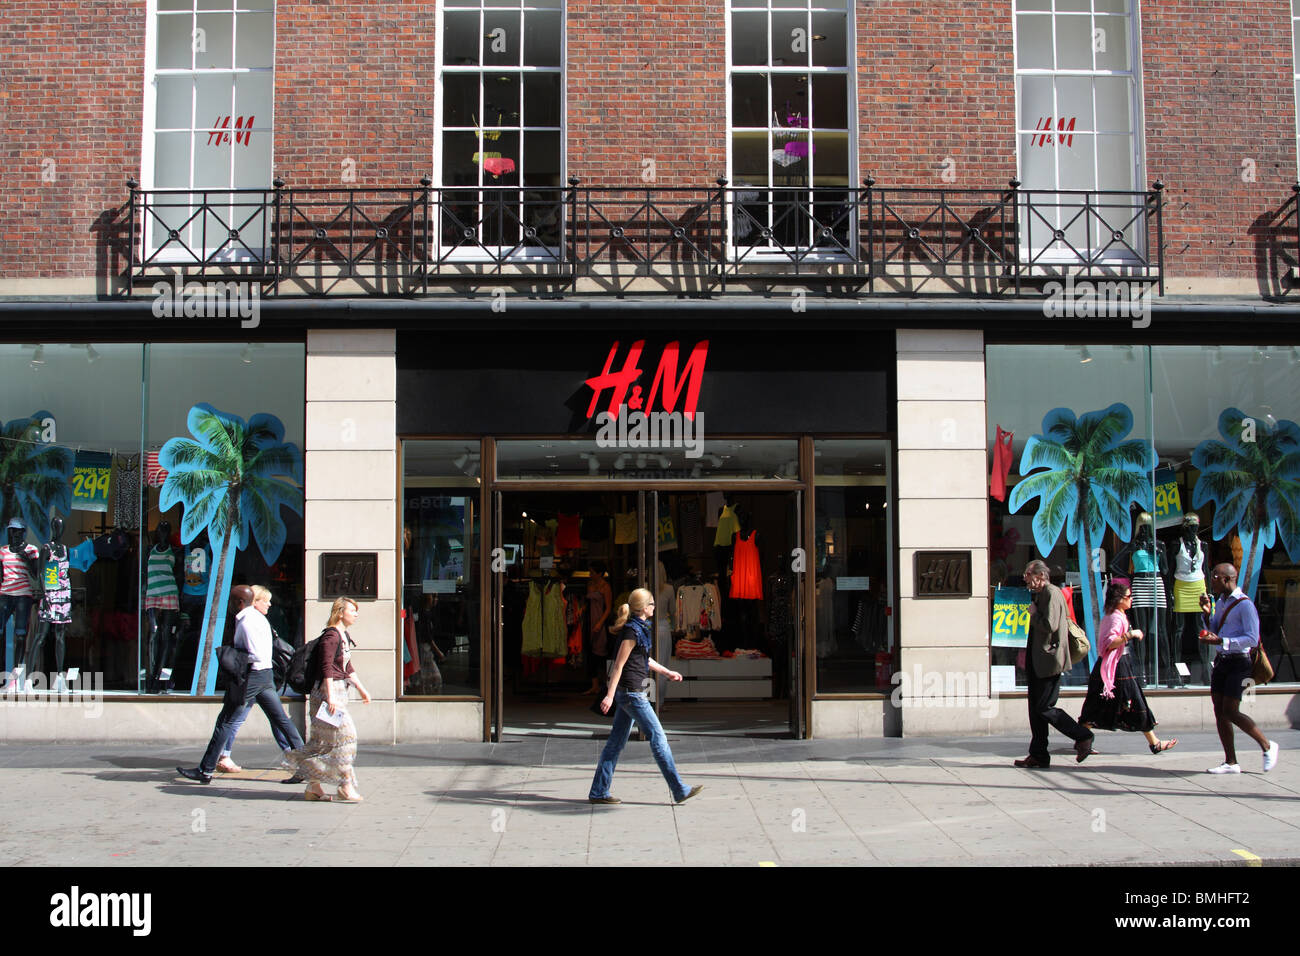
1115 700
329 755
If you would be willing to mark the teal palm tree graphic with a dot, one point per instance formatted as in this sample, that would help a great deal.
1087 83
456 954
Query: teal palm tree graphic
1090 475
231 479
35 476
1253 479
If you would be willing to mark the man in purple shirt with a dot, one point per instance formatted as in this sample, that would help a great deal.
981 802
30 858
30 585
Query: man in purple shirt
1234 627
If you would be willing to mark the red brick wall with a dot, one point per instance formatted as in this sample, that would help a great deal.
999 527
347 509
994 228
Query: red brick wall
1218 89
71 87
355 80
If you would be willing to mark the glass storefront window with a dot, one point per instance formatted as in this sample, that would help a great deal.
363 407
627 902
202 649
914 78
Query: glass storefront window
714 458
441 506
853 541
1195 468
92 450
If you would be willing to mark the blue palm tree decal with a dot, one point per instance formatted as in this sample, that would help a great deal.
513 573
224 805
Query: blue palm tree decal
1089 476
231 480
1253 479
35 476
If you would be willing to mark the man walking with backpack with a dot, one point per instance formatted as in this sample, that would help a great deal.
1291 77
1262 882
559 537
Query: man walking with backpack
252 635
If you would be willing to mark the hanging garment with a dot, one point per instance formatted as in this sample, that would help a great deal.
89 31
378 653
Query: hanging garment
746 575
574 626
545 633
728 525
567 537
664 605
698 606
599 596
692 534
625 528
126 492
498 166
56 598
667 531
410 650
1001 464
82 556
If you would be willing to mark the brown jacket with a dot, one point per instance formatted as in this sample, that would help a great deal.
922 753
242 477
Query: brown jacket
1049 632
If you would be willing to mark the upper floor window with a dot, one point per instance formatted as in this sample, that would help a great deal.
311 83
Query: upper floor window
1078 118
208 105
790 121
501 112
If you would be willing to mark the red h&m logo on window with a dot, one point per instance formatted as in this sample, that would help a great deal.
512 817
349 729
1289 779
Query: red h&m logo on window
221 131
1046 138
631 422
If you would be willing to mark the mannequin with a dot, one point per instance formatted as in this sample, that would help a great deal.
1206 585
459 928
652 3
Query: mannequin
1150 602
164 575
17 590
1189 585
55 608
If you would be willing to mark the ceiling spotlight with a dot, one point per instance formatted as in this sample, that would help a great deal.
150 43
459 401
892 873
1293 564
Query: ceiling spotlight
1257 357
246 356
38 357
1218 355
1084 355
460 460
1130 355
92 356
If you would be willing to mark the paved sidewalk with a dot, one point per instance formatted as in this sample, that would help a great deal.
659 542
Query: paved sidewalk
523 803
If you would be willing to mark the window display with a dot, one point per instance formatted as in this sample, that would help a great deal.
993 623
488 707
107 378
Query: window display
111 536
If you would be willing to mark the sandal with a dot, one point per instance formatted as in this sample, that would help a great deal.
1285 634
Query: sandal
311 795
1164 745
353 798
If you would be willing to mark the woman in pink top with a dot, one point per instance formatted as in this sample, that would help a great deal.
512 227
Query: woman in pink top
1115 700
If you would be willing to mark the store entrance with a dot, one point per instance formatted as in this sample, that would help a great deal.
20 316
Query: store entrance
723 568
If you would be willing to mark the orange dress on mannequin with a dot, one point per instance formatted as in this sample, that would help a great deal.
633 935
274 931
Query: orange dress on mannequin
746 575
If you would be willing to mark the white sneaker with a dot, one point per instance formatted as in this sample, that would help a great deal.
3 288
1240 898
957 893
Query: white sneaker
1270 756
1226 768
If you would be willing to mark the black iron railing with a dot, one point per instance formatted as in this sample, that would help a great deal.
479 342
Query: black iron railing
398 241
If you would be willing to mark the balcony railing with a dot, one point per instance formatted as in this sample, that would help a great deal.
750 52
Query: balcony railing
867 239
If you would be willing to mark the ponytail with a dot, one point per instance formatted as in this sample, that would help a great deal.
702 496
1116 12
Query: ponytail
624 612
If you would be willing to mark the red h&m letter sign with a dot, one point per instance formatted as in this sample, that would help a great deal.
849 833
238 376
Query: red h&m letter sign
690 379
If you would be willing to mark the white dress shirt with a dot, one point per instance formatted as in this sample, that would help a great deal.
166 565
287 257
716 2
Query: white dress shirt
253 634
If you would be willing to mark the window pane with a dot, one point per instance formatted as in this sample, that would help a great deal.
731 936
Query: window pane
542 39
212 159
833 50
175 5
1111 43
749 158
256 47
1036 106
500 99
459 168
171 160
1037 164
1075 155
749 100
749 39
1034 42
254 96
1073 43
253 160
460 99
214 47
175 42
1115 167
213 103
460 38
542 157
1073 6
831 159
1033 4
1114 103
175 95
830 101
501 43
542 99
790 39
790 99
1074 101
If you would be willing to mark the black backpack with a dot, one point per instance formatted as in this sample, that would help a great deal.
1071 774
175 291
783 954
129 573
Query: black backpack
303 670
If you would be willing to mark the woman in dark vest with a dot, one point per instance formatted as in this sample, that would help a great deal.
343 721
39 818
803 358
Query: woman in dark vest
627 680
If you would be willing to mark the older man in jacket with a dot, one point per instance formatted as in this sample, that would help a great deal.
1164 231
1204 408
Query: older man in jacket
1046 658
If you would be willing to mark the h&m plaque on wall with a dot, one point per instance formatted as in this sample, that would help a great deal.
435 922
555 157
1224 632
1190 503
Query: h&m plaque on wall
349 574
941 574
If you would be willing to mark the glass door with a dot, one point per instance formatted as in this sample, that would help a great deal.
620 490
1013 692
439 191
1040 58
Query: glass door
496 672
793 652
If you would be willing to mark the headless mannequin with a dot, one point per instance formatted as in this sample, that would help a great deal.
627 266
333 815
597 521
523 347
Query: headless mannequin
19 572
1149 612
1189 574
165 575
55 608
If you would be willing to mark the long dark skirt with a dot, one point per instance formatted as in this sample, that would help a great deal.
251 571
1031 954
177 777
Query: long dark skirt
1127 710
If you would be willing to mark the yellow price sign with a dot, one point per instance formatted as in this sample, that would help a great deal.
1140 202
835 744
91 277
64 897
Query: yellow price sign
1010 617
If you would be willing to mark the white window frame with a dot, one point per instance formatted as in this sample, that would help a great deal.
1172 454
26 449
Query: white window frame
1136 135
524 253
148 151
755 253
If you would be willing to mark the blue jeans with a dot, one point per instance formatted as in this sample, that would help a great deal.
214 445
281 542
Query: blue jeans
260 691
636 707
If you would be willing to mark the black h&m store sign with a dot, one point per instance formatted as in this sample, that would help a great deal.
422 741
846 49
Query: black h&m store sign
548 383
